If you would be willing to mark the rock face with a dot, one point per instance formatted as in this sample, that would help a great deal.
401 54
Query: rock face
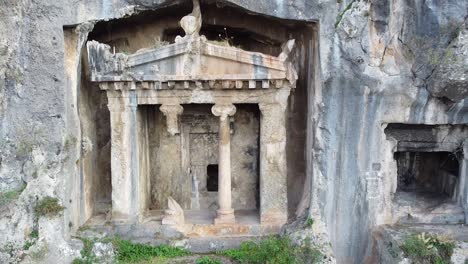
374 63
450 76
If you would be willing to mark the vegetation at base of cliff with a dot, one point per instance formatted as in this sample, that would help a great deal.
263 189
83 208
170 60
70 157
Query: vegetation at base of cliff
48 206
274 250
128 252
208 260
425 248
310 222
9 196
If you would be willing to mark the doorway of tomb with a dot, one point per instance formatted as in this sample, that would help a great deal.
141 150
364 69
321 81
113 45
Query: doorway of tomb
185 166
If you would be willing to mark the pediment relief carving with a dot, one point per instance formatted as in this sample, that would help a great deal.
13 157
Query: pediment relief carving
192 58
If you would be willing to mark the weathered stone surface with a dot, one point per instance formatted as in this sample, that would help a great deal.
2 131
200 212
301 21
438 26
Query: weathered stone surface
313 235
104 252
372 68
450 78
460 253
174 215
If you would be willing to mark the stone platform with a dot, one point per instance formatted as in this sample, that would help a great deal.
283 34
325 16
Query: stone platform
388 239
426 208
198 234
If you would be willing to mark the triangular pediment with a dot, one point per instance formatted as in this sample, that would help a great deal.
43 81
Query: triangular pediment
187 60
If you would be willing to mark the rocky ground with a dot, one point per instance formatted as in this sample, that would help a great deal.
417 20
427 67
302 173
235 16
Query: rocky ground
389 240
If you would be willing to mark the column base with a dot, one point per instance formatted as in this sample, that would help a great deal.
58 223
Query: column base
225 217
121 218
274 218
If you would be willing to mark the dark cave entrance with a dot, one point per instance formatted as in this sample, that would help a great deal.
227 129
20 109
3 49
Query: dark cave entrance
429 174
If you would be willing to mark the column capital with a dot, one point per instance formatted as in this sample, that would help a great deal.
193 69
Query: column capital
121 104
266 108
172 113
169 109
223 110
465 148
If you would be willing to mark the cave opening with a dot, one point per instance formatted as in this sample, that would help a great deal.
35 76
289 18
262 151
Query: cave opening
430 172
429 175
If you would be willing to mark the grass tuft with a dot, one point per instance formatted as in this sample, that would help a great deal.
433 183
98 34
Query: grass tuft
128 252
208 260
273 250
9 196
48 206
424 248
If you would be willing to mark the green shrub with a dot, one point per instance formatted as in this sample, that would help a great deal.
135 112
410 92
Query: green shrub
34 234
310 222
424 248
87 256
48 206
273 250
28 244
309 253
9 196
77 261
208 260
128 252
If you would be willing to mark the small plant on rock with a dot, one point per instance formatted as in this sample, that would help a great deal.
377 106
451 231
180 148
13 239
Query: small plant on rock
310 222
158 43
87 256
9 196
426 248
208 260
34 234
48 206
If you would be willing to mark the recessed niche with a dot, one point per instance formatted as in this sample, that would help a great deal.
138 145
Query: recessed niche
182 163
429 172
434 175
212 178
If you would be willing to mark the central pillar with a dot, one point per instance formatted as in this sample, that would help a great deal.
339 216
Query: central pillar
225 212
463 181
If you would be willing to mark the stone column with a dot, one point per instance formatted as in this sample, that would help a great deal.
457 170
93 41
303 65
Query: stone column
273 176
225 212
124 156
463 181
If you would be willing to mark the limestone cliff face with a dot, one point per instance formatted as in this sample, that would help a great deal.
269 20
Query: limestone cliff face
378 62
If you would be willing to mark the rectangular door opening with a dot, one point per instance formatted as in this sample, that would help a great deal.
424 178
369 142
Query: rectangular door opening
212 178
